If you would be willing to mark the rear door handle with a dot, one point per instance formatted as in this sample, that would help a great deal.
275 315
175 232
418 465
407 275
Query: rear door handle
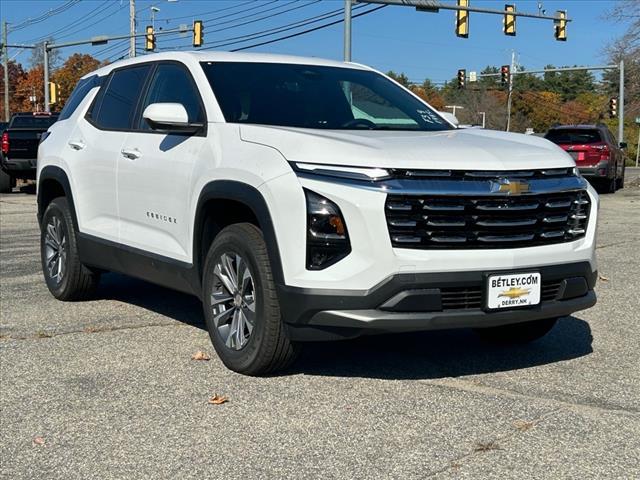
77 144
132 154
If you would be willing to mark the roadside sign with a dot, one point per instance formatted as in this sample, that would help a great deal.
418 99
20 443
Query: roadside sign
473 77
638 120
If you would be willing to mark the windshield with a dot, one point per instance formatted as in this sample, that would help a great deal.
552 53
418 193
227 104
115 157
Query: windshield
310 96
576 136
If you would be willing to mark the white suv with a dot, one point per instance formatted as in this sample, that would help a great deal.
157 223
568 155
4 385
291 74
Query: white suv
304 199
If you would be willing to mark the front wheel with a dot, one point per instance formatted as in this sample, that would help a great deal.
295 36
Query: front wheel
241 307
66 277
518 332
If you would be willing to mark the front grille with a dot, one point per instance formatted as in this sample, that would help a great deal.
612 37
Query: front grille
461 298
464 298
470 222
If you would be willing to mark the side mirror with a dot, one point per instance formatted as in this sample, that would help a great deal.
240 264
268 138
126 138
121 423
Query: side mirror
623 144
451 118
170 118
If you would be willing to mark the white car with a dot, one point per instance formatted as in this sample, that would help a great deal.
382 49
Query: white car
304 199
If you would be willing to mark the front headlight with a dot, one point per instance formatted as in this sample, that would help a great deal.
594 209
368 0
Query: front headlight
327 236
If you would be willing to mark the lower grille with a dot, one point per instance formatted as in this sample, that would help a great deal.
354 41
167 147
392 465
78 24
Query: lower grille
464 298
468 222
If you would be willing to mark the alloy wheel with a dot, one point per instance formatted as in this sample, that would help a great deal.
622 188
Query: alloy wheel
233 300
55 249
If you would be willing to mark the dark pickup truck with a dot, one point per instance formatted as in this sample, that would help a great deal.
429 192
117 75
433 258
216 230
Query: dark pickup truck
20 142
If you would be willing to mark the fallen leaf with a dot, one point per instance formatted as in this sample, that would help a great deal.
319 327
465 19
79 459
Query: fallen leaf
218 400
38 441
486 446
603 278
200 355
523 425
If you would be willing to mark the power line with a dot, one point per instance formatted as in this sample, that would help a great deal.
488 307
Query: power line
199 14
82 19
304 32
44 16
265 33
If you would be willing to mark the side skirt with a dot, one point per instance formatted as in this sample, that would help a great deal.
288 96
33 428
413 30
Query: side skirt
115 257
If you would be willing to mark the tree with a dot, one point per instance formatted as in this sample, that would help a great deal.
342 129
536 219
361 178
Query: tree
16 73
626 48
401 78
569 84
37 56
75 67
30 85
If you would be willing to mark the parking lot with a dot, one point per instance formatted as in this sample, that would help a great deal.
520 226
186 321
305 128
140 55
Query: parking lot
108 389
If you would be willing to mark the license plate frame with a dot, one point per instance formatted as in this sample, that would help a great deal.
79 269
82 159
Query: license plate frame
513 290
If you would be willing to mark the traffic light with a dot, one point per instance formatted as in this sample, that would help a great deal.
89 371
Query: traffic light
150 40
560 25
462 20
197 33
462 76
53 93
613 107
504 74
509 22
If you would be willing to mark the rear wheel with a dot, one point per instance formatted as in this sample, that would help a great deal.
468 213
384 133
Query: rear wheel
518 332
7 182
66 277
242 311
608 185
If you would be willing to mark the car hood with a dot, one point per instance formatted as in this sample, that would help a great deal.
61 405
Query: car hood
462 149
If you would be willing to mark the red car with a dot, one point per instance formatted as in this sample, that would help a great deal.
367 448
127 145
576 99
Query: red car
597 154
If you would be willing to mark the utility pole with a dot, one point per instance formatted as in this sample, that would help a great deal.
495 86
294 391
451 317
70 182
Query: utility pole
5 64
511 70
132 28
621 104
45 48
347 30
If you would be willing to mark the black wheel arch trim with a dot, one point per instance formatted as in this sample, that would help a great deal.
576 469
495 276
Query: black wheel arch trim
254 200
51 172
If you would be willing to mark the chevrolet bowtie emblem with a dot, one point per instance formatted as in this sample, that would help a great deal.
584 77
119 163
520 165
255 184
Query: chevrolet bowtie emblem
511 187
514 292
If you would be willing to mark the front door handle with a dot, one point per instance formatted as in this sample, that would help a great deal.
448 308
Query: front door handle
131 154
77 144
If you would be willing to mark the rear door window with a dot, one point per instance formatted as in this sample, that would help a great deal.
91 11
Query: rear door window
83 87
576 136
114 108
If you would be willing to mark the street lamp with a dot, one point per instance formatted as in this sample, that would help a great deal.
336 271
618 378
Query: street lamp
154 10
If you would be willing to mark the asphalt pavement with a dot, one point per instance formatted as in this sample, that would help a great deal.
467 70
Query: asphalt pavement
107 388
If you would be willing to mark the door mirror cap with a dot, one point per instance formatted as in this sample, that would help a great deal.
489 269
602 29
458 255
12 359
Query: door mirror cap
169 118
623 144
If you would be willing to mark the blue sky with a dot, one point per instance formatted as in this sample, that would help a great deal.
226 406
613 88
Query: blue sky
423 45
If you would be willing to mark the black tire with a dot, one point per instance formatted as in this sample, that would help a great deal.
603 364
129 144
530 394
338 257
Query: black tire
78 282
517 333
620 181
608 185
267 348
7 182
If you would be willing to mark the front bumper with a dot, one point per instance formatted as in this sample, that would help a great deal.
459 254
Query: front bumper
416 302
